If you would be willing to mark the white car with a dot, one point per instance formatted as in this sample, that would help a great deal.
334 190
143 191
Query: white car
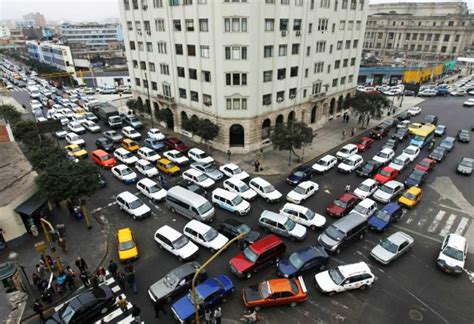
388 191
35 104
233 170
91 126
412 152
453 254
198 178
400 162
151 189
148 154
130 132
350 164
73 138
239 187
325 164
469 102
265 190
345 277
384 156
156 134
303 215
176 157
198 155
76 127
61 134
365 208
132 205
124 174
302 191
204 235
413 111
347 151
366 188
427 93
125 156
146 168
175 242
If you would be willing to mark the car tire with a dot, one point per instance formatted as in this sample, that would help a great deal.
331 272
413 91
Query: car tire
322 267
313 227
363 287
268 200
331 293
293 304
180 259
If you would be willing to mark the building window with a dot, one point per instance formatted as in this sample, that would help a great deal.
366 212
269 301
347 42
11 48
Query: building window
235 24
285 2
142 65
151 66
348 44
154 85
267 76
177 25
192 74
342 25
159 25
446 38
129 25
456 39
191 50
292 93
355 44
236 103
308 50
281 74
280 96
323 4
203 25
454 49
361 4
323 24
316 88
306 72
269 24
428 37
353 4
179 49
137 82
344 4
282 50
166 90
204 51
283 24
337 64
298 3
267 99
157 3
297 24
164 69
293 71
318 67
295 49
268 51
350 78
345 62
436 37
194 96
310 28
320 46
235 53
358 23
443 49
182 93
339 45
146 26
149 47
350 24
206 76
126 4
135 64
181 72
140 46
189 24
132 45
343 80
236 79
207 99
162 48
334 82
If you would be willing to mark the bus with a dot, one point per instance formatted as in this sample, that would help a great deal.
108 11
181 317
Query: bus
423 135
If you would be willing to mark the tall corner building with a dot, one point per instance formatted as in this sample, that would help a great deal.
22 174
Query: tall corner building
245 65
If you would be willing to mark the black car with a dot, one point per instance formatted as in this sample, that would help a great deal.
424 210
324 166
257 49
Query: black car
86 307
379 131
416 178
403 116
369 168
299 175
390 122
104 144
304 259
232 227
401 134
431 119
463 136
191 186
391 144
438 154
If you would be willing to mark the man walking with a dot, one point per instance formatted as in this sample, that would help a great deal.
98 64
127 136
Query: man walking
130 277
208 316
81 264
112 268
343 134
217 315
159 307
84 278
38 308
136 314
122 303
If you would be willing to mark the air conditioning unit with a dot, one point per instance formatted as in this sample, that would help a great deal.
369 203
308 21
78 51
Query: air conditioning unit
284 33
298 33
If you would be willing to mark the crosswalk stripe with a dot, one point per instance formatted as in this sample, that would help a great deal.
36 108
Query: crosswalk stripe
462 226
448 225
434 225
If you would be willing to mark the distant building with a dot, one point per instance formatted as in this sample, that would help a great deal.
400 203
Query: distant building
37 17
92 35
17 37
55 55
4 32
423 31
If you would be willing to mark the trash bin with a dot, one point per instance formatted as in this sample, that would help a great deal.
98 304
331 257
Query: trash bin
61 228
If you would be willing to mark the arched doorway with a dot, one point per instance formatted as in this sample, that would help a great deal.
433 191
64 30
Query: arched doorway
340 102
236 136
184 117
266 128
168 118
332 106
348 96
291 117
279 120
147 106
313 115
139 104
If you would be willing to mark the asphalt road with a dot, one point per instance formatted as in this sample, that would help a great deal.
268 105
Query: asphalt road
409 290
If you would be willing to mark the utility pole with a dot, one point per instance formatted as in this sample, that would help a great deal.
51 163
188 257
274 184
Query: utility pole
149 99
44 222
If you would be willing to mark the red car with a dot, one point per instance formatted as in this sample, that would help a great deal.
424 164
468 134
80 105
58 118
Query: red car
342 205
175 144
386 174
257 255
426 165
103 159
364 144
275 292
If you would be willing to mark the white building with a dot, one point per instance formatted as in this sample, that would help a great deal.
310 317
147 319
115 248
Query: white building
92 34
245 65
55 55
4 32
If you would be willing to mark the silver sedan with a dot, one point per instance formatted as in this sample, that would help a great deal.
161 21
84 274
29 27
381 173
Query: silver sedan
392 247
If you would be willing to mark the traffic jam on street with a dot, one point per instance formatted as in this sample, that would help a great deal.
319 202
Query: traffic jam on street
371 230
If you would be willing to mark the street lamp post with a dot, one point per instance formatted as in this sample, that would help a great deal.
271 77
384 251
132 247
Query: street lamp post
149 98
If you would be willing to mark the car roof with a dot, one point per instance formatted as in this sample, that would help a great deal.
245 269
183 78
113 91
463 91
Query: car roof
193 172
266 243
457 241
143 162
96 152
235 181
387 150
274 216
121 150
169 232
349 147
208 287
328 157
393 183
347 196
196 150
279 285
164 161
351 269
185 269
126 195
233 222
147 182
145 149
467 159
306 184
367 202
414 190
389 169
295 207
310 252
231 166
390 208
128 140
121 167
398 238
224 193
124 234
260 181
369 181
197 226
354 157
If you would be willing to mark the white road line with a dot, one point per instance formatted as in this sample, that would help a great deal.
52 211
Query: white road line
448 225
462 226
434 225
410 219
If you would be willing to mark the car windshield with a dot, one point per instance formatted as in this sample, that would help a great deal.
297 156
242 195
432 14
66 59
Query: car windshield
68 313
345 151
210 235
361 209
204 208
243 187
112 133
309 214
237 200
128 155
340 203
264 290
136 203
424 163
409 151
201 178
453 253
237 170
147 166
289 224
180 242
154 188
409 195
446 143
322 163
126 171
382 215
364 187
415 176
123 246
105 157
386 189
74 138
383 155
268 188
418 138
296 261
300 190
170 280
389 245
385 173
250 254
334 233
466 163
349 162
336 276
243 229
298 174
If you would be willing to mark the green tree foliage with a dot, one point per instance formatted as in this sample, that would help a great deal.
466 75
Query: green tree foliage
367 103
25 132
164 115
207 130
10 113
42 156
291 136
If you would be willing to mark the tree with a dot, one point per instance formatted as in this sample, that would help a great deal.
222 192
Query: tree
192 125
25 132
42 156
66 180
291 136
207 130
367 104
10 113
164 115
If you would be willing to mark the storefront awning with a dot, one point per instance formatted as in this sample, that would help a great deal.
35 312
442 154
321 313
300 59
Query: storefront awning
31 205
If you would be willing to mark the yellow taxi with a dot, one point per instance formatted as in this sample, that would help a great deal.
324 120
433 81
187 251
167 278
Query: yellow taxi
130 145
168 167
411 197
76 151
79 111
127 249
413 127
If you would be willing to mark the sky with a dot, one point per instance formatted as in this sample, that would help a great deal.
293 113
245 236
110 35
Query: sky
93 10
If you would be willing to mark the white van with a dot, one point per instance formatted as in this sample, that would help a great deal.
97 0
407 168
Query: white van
151 189
230 201
189 204
239 187
132 205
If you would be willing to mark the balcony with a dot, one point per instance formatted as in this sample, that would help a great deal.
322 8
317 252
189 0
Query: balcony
318 96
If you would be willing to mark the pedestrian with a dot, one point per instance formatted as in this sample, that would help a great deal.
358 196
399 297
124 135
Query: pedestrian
256 165
70 281
38 308
81 264
112 268
130 277
352 132
121 279
84 278
40 270
37 281
62 244
122 303
159 307
136 313
94 281
348 188
347 118
344 134
360 119
208 316
217 315
228 155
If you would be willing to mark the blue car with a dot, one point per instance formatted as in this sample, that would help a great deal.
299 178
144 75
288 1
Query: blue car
389 214
416 178
301 174
210 293
154 144
311 257
440 130
448 143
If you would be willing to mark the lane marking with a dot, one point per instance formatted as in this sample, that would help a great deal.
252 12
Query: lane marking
448 225
434 225
462 226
